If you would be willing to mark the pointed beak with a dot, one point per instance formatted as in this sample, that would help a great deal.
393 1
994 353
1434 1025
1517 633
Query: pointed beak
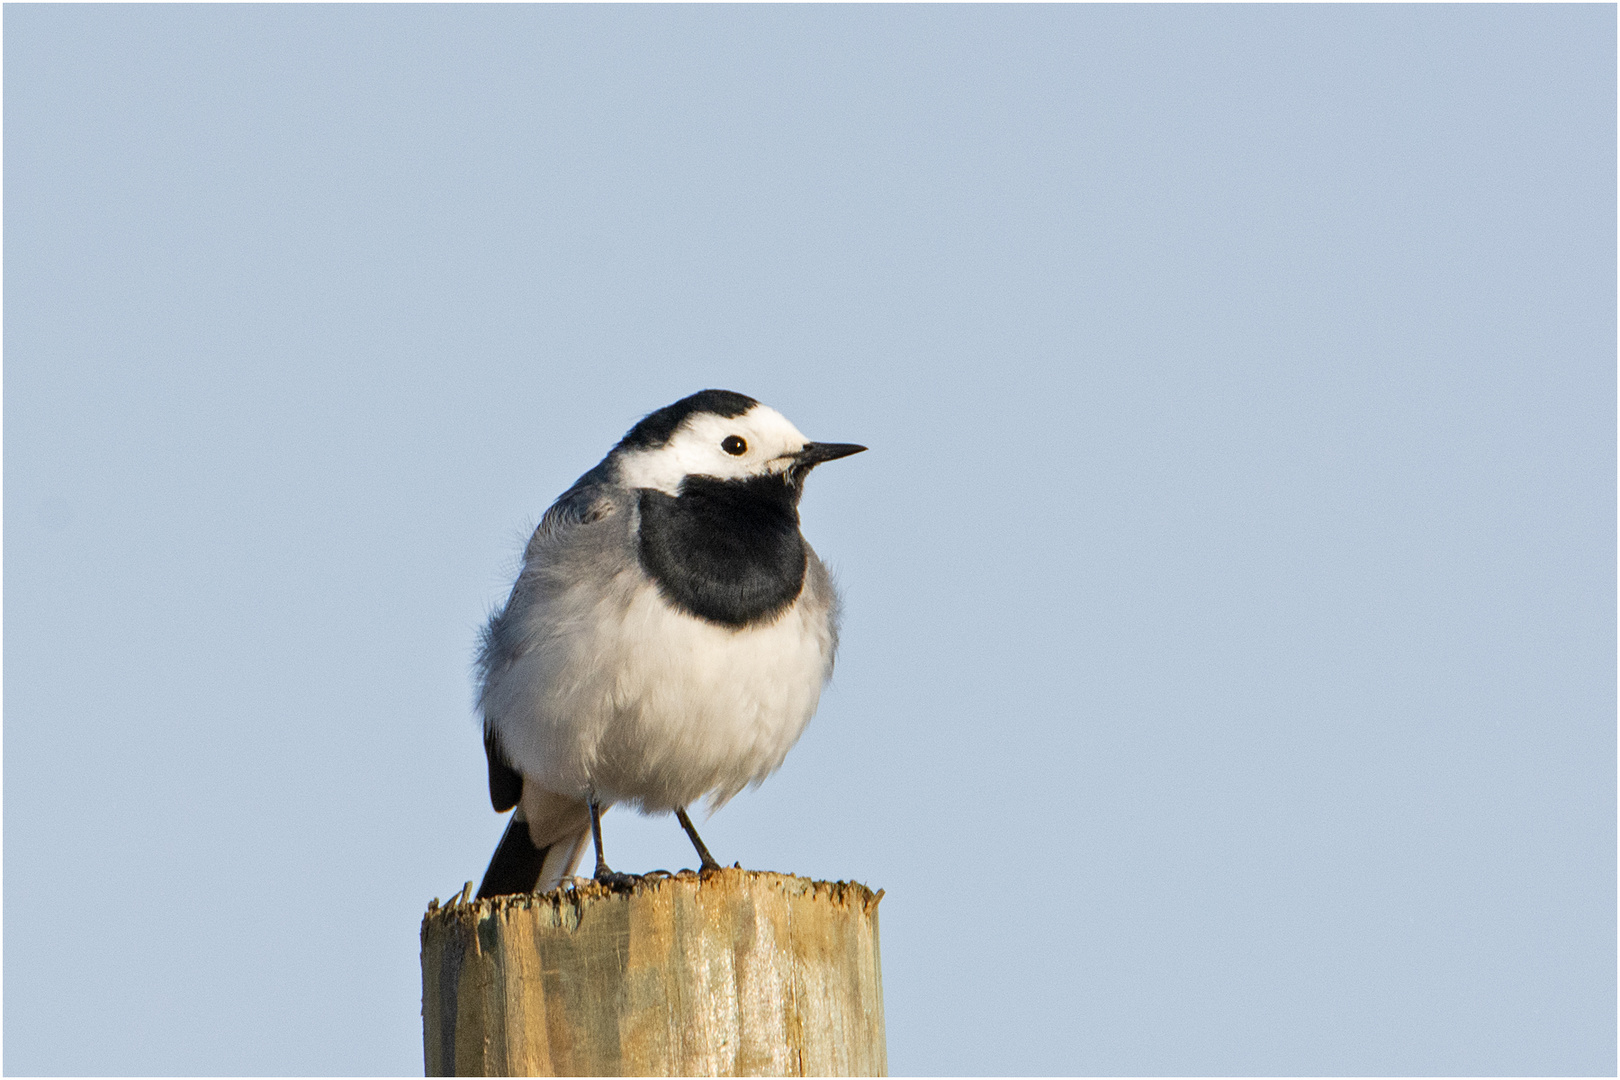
815 453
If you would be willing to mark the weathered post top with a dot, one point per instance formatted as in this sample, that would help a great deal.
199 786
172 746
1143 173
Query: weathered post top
736 973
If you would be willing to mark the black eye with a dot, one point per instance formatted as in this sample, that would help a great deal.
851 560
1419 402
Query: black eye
734 446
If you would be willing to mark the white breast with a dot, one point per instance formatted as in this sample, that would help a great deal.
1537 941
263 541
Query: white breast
622 695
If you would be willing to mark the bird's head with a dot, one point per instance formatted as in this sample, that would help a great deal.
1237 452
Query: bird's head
719 434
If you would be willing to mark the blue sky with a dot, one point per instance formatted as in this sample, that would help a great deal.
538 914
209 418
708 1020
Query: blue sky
1228 676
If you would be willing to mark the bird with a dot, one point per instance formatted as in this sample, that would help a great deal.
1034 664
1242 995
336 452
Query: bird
666 640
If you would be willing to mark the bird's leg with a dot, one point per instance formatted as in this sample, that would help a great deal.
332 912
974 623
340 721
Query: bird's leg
612 879
697 841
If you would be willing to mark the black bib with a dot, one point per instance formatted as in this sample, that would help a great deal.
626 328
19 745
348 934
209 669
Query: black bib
728 551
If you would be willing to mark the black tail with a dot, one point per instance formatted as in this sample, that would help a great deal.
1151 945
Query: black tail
515 866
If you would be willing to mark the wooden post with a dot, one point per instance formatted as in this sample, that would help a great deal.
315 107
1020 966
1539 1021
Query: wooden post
741 973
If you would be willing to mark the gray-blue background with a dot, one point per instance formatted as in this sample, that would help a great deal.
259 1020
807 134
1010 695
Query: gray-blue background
1229 675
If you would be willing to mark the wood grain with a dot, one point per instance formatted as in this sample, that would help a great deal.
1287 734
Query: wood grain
740 973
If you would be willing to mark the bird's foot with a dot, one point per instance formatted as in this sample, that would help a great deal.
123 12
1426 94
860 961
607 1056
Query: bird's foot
709 867
614 880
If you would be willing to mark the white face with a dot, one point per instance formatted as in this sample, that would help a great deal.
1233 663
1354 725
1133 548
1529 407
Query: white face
758 442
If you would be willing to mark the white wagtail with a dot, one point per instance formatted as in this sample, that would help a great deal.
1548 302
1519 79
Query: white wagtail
667 639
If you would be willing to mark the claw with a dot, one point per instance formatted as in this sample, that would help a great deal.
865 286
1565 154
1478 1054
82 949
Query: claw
614 880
